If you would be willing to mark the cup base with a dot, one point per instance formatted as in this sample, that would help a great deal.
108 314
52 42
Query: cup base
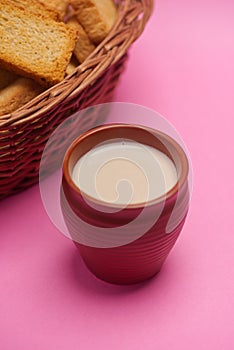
123 282
120 276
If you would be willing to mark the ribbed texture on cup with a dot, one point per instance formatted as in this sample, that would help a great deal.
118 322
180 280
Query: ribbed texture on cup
134 262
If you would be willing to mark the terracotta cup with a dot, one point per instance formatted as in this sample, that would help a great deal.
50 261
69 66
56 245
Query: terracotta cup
124 245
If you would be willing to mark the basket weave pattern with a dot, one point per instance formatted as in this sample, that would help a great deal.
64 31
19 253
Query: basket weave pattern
24 133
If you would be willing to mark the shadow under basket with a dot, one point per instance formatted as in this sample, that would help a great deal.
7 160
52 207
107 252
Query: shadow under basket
24 133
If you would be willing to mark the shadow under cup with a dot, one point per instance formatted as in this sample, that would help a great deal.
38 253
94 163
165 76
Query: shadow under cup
124 245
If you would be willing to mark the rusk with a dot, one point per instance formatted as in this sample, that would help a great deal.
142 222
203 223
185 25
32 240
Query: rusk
15 95
6 78
84 45
36 7
72 65
97 17
33 45
57 6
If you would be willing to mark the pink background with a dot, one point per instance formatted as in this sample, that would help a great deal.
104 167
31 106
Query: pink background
183 67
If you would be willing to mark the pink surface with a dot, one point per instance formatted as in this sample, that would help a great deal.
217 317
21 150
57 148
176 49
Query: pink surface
182 67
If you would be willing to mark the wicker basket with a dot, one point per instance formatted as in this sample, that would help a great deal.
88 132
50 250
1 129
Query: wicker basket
24 133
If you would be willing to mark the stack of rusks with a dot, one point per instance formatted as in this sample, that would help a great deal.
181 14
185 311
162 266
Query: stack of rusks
42 41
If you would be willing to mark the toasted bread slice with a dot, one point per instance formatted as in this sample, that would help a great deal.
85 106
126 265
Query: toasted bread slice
97 17
34 46
6 78
15 95
84 45
35 7
72 65
57 6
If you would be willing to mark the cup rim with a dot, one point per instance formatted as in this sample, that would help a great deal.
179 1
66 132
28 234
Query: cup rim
163 198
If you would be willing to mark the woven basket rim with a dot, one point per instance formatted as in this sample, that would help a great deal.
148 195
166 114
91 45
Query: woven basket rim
132 18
